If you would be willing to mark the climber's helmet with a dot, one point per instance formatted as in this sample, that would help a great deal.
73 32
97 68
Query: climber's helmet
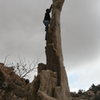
47 10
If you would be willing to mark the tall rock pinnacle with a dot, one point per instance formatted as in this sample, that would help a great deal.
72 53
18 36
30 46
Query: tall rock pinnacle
52 79
53 50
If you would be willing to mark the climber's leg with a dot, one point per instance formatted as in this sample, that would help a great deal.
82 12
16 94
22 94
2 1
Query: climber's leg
46 22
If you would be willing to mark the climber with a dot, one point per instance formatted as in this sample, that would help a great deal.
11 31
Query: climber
47 18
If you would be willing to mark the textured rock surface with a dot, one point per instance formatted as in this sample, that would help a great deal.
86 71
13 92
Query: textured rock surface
54 52
49 89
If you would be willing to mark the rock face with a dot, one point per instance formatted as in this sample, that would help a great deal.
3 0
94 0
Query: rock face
54 86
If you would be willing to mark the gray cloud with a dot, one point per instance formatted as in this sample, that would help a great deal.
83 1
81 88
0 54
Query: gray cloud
80 32
21 28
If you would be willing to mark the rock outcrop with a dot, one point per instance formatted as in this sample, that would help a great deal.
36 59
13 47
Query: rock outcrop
93 93
12 87
54 55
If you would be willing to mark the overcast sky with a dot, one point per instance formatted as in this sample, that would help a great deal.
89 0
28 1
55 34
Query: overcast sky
22 34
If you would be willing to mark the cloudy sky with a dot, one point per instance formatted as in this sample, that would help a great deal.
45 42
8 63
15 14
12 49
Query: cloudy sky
22 34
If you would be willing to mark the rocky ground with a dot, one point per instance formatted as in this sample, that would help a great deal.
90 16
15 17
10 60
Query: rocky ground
12 87
93 93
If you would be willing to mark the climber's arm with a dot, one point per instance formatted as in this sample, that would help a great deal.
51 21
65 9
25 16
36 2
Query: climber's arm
50 8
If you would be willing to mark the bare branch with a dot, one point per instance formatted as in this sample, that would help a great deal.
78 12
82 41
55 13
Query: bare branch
23 69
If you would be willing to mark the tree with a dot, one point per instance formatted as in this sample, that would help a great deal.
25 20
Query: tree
23 68
80 92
